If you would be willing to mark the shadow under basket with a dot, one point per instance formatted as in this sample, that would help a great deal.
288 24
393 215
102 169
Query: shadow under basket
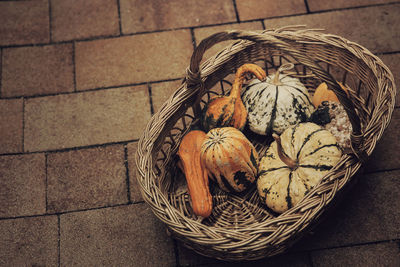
240 226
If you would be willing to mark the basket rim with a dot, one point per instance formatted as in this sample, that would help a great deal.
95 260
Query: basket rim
144 158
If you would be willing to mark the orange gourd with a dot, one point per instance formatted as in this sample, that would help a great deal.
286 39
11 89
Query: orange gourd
322 93
196 175
223 111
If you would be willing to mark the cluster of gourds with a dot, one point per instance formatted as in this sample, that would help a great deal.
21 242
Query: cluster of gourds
279 106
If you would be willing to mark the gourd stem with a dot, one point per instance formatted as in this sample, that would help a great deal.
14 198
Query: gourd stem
241 75
292 164
283 67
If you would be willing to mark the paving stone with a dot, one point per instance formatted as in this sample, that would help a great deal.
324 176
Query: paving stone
24 22
386 155
37 70
202 33
392 61
29 241
188 257
122 236
316 5
73 19
86 118
258 9
22 185
86 178
160 92
368 213
133 183
132 59
11 125
143 16
381 254
380 35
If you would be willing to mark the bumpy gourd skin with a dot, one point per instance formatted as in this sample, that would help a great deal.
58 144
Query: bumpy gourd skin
230 159
313 151
273 107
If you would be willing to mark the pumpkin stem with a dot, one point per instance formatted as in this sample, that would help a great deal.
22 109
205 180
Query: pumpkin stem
241 75
287 66
292 164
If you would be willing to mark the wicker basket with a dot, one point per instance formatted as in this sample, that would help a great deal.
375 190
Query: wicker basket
240 227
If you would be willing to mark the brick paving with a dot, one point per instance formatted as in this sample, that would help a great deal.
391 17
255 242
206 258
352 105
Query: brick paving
85 118
72 20
132 59
80 79
39 70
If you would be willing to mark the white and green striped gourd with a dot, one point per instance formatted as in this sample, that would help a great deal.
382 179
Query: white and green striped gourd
277 103
294 163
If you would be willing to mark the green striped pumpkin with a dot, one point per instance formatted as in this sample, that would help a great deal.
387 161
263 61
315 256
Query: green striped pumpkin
230 159
276 104
311 151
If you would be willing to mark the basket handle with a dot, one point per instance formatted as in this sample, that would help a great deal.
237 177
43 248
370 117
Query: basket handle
193 75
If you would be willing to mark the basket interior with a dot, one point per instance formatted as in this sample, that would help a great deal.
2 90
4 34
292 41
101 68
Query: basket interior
231 210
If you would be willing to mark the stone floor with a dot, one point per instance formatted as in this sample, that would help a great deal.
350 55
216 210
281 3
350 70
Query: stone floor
80 79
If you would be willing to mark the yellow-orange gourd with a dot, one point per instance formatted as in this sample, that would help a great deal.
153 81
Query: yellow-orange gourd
230 158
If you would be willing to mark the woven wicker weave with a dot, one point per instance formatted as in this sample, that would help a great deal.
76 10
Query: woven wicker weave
240 227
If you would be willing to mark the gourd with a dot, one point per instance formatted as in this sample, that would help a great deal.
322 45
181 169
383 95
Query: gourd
339 123
229 110
230 159
322 93
326 102
294 163
195 173
277 103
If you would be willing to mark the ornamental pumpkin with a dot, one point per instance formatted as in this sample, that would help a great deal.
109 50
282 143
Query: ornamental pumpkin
294 163
195 174
322 93
230 159
277 103
229 110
